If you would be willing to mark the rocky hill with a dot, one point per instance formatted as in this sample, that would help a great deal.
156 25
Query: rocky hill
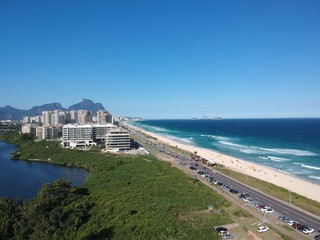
11 113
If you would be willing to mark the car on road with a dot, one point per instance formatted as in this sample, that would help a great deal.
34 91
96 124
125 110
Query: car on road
291 223
308 230
317 237
284 218
263 229
233 191
267 209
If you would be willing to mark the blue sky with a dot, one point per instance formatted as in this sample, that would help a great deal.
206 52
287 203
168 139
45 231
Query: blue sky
164 58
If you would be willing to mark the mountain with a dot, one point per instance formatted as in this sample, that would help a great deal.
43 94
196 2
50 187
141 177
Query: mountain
11 113
37 110
87 104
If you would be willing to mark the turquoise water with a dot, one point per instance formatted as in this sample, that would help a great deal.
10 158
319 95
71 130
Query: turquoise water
290 145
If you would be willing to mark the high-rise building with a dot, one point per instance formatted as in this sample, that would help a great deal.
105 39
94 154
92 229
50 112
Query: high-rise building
59 117
73 118
46 117
85 117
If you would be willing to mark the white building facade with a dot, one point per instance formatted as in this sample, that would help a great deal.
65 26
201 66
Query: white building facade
77 135
117 139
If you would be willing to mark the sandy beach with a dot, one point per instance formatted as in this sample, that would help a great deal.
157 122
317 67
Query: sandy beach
277 177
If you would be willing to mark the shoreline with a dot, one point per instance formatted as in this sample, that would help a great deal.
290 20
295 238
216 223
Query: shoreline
275 176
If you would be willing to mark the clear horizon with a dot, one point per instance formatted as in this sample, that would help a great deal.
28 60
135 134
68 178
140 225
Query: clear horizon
164 59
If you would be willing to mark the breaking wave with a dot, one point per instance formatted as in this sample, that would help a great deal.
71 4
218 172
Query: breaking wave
188 140
260 150
314 177
310 167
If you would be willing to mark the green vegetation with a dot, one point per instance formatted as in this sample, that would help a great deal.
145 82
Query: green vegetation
241 213
275 191
124 197
55 213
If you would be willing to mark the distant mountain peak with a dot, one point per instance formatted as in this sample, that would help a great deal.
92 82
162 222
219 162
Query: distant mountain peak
8 112
87 104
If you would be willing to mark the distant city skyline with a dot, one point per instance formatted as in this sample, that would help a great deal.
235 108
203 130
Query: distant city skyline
164 59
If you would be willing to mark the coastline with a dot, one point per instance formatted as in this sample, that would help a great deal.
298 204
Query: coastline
271 175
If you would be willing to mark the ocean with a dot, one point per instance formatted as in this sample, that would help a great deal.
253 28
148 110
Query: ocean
289 145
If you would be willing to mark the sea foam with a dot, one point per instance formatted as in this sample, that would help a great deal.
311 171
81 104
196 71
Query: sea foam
295 152
310 167
314 177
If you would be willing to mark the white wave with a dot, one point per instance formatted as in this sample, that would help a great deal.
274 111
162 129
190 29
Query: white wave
215 137
159 129
265 158
294 152
310 167
249 151
242 148
231 144
277 159
314 177
188 141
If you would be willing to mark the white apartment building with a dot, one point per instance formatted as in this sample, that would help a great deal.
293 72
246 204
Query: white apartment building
28 128
117 139
77 135
104 117
46 117
59 117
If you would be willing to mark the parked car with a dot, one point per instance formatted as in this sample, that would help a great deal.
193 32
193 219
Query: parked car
233 191
302 227
308 230
296 225
317 237
220 229
267 209
219 184
284 218
227 236
291 223
263 229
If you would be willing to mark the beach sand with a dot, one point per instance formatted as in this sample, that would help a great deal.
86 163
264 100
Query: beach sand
277 177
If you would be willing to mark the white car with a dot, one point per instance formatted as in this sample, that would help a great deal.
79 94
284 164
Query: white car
291 222
308 230
269 210
263 229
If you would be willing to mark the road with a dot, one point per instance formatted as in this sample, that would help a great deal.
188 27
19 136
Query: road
280 207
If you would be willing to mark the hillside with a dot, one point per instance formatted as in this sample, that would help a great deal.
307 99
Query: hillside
11 113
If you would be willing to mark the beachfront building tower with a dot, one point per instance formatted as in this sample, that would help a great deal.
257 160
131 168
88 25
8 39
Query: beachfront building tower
117 139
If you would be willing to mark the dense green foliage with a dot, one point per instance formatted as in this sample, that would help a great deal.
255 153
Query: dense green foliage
54 214
124 197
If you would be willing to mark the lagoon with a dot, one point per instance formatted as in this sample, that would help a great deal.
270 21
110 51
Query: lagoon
24 179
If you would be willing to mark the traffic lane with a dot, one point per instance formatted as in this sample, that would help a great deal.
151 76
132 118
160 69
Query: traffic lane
278 206
266 200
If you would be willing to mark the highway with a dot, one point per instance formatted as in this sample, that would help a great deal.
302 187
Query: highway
280 207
